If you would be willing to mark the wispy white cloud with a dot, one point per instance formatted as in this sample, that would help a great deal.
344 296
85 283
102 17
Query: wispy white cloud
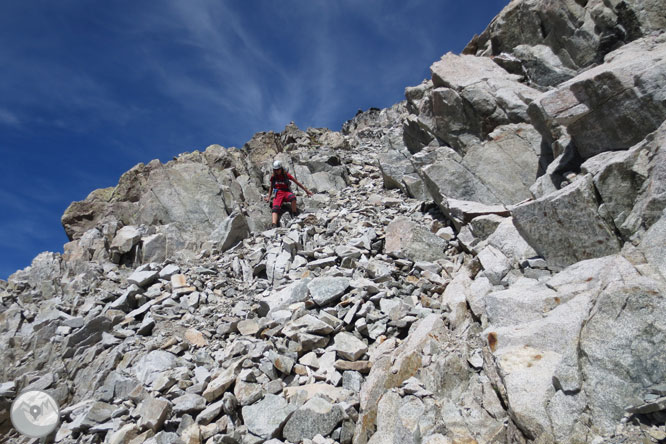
9 118
228 64
58 96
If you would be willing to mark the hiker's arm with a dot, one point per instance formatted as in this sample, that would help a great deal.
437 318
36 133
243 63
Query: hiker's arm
270 193
304 189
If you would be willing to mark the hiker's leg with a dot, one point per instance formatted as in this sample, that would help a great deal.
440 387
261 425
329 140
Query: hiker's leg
277 207
291 197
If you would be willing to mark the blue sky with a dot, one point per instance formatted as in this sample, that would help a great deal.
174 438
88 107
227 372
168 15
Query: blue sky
89 89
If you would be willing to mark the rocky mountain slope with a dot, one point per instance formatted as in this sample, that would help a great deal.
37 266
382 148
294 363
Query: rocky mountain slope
481 263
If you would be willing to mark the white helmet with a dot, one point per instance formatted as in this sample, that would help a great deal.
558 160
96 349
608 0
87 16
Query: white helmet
277 165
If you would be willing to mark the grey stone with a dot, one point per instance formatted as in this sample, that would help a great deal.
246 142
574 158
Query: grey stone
42 383
43 275
464 212
282 363
405 238
507 239
483 226
99 413
165 438
209 414
168 271
7 389
267 417
328 290
90 333
394 166
76 322
542 65
248 327
322 263
292 293
124 435
468 90
391 368
520 24
146 327
649 407
189 403
566 226
446 233
512 151
315 417
448 178
125 239
153 248
536 334
344 251
652 246
398 419
349 347
151 364
220 384
352 380
143 278
247 392
307 324
494 263
153 412
231 231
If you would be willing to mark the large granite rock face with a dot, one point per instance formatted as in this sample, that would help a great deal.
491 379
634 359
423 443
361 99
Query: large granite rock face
578 34
611 106
472 96
573 228
193 194
511 151
210 199
570 338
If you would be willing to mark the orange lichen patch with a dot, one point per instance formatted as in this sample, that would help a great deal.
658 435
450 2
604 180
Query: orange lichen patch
412 279
557 300
492 340
534 358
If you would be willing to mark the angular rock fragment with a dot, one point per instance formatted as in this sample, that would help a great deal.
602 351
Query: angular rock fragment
327 290
315 417
143 278
266 417
407 239
152 413
566 226
349 347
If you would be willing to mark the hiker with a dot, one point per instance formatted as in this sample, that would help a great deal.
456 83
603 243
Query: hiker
281 192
